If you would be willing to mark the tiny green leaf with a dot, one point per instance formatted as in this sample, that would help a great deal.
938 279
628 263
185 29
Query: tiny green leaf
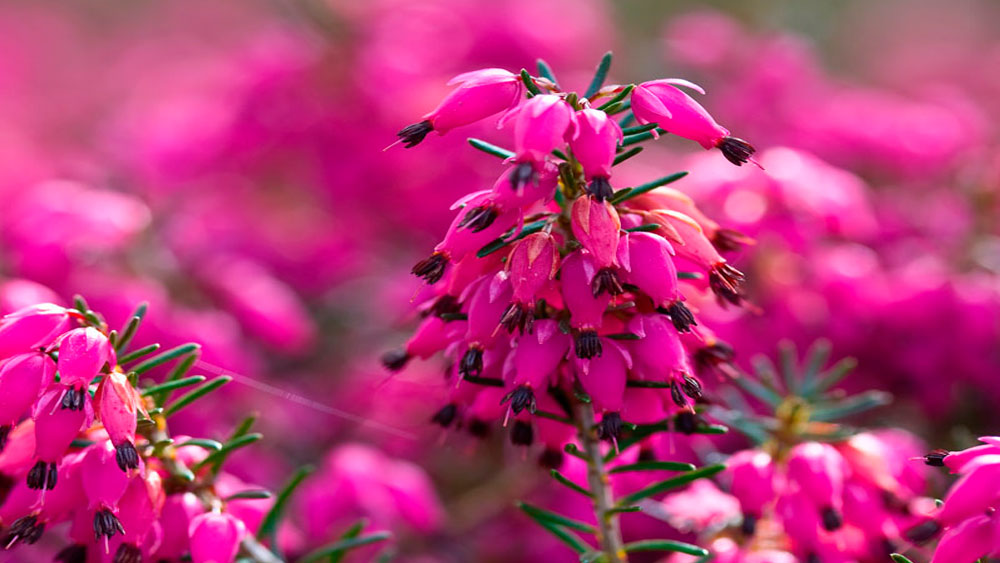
165 357
647 187
135 355
544 70
529 83
899 558
647 228
627 155
654 466
666 545
195 394
540 514
618 98
673 483
501 242
253 494
172 385
340 547
641 137
563 480
215 459
599 76
490 148
638 129
850 406
269 525
210 445
565 536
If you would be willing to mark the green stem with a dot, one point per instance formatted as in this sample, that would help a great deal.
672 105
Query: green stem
609 534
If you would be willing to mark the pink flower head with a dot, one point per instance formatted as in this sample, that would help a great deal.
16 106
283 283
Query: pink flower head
974 492
487 303
660 356
663 103
215 537
971 539
752 473
83 353
21 378
481 93
597 226
702 506
175 520
534 363
594 141
104 485
532 264
586 309
117 405
139 509
55 429
603 378
540 126
818 471
525 194
648 264
31 327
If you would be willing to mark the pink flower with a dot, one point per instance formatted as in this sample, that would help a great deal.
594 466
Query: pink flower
215 537
540 126
597 226
532 264
104 485
21 378
971 539
481 94
603 378
700 507
31 327
661 102
752 473
974 492
648 263
55 429
594 141
175 520
117 405
818 472
83 353
586 309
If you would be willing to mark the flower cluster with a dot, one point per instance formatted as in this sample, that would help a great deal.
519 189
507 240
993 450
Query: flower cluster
968 516
83 443
552 281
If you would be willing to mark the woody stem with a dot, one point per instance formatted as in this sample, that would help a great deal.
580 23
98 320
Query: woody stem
609 534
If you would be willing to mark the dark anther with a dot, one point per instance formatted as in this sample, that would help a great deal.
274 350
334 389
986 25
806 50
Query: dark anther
106 524
445 416
600 188
936 458
606 280
395 360
588 345
551 458
73 553
471 363
446 304
736 150
25 530
726 282
478 218
677 395
691 387
831 519
923 532
36 475
710 356
681 316
51 476
749 525
610 427
646 454
522 434
729 240
479 428
74 399
126 456
128 553
685 422
522 397
431 268
523 173
4 435
411 135
518 316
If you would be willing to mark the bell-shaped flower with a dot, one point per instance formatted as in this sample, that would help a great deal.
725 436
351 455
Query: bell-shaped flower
175 519
594 141
663 103
970 540
21 378
104 484
481 93
586 309
818 470
540 126
215 537
533 364
83 353
597 227
603 378
659 354
55 429
974 492
507 193
117 406
31 327
648 264
531 265
486 304
752 483
139 509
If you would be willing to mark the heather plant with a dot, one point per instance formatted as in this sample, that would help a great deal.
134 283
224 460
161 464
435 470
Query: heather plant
85 441
561 299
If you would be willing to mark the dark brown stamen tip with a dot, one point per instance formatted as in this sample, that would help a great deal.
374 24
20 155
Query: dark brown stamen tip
691 387
36 476
606 279
682 317
128 553
601 189
26 530
736 150
445 416
518 316
126 456
677 395
431 268
708 357
936 458
588 345
445 305
395 360
522 434
610 428
522 397
729 240
923 532
472 362
478 218
551 458
411 135
832 520
479 428
686 422
106 524
726 282
523 173
74 553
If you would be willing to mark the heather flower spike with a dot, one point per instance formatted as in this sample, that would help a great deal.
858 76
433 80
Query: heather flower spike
480 94
663 103
566 318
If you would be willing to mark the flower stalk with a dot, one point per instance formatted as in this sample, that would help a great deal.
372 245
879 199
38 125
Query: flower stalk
609 534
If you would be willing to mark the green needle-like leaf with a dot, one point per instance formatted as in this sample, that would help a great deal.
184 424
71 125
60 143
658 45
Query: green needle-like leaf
641 137
136 354
899 558
850 406
653 466
216 459
529 83
834 375
164 357
647 228
210 445
490 148
673 483
666 545
638 129
195 394
758 390
540 514
501 242
599 76
789 370
544 70
618 98
250 495
567 537
563 480
647 187
338 548
172 385
627 155
269 525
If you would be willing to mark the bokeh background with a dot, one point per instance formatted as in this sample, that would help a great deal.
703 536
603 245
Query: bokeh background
223 161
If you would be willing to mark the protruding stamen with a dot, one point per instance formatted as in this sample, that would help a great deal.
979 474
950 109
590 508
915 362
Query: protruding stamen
749 524
36 476
445 416
736 150
936 458
729 240
711 356
478 218
682 317
610 427
128 553
832 519
522 434
74 553
523 173
431 268
677 395
588 344
518 316
606 279
601 189
106 525
726 282
395 360
25 530
691 387
686 422
126 456
411 135
471 363
521 398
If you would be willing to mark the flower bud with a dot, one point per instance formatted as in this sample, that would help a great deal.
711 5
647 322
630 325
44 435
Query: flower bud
603 377
594 142
532 264
481 94
650 266
818 471
215 537
175 519
117 405
21 378
752 473
535 361
540 125
659 353
31 327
